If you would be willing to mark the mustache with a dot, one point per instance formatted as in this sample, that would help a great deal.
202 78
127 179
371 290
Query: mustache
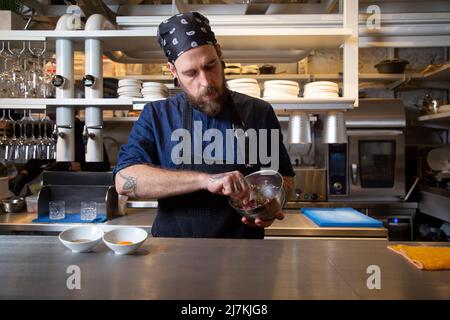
209 90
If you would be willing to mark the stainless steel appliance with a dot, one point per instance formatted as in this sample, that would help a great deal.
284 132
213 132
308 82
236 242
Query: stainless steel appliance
371 167
310 184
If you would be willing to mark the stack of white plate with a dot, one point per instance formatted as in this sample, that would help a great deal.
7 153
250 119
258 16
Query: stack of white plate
246 86
154 90
321 89
281 89
129 88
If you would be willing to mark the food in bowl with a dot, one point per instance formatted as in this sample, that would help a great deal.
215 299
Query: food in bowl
267 196
125 243
81 239
125 240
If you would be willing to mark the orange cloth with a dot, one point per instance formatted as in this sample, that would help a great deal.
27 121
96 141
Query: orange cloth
425 258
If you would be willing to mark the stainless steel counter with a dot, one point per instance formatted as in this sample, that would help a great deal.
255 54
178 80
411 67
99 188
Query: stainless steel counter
293 225
35 267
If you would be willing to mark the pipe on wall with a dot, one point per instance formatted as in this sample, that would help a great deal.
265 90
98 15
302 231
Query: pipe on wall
93 130
65 115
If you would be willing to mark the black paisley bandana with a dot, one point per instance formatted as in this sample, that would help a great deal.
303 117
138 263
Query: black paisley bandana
183 32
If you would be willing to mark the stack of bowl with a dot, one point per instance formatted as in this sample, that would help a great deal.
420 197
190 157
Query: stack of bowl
246 86
154 91
281 89
130 88
321 89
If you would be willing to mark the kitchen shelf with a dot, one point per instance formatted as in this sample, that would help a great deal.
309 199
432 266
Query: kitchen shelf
135 40
373 77
289 105
138 103
438 120
39 104
440 74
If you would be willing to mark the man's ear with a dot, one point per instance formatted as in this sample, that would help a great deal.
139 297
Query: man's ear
172 69
219 51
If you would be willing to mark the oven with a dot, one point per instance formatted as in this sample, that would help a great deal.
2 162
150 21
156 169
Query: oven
371 166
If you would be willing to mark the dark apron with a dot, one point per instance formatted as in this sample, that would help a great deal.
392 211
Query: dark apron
202 214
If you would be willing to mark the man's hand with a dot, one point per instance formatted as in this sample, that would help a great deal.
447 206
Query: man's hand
263 223
230 184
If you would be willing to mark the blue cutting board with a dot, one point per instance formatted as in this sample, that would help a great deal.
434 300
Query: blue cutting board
340 217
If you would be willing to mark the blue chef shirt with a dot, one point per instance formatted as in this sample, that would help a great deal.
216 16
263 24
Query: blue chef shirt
150 138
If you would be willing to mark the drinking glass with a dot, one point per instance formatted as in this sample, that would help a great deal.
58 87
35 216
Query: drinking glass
88 210
57 210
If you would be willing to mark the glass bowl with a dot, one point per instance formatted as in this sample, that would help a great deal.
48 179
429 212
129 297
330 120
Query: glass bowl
267 196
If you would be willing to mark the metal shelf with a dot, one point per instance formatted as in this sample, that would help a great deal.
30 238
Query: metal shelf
39 104
439 120
440 74
289 105
138 103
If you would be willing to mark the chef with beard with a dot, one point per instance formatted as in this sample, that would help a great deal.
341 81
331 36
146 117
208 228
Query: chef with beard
193 195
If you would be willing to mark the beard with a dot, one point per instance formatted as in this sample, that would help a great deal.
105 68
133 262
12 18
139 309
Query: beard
209 107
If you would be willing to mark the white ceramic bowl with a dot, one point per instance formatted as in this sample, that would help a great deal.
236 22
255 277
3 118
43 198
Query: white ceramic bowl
129 234
81 239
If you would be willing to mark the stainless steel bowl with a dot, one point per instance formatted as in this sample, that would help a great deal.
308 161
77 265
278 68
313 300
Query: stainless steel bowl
12 205
264 184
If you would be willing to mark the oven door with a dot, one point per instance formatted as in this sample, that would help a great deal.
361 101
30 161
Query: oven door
376 165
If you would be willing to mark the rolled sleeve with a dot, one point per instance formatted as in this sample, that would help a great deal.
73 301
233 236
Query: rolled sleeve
141 146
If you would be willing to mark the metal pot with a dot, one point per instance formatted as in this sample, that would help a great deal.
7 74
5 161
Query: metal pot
392 66
12 205
267 69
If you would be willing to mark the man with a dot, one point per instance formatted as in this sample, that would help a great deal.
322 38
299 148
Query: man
193 195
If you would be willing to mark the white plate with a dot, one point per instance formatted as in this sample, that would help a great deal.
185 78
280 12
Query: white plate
321 83
72 237
129 82
154 89
243 80
281 82
121 90
321 89
282 90
154 84
132 234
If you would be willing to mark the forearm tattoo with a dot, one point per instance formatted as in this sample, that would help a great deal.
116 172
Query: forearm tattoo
217 177
130 184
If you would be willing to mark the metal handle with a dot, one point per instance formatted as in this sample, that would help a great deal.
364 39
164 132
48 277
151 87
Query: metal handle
411 189
354 173
89 135
56 133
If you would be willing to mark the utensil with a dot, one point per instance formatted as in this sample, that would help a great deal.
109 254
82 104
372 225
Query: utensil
13 205
267 69
392 66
